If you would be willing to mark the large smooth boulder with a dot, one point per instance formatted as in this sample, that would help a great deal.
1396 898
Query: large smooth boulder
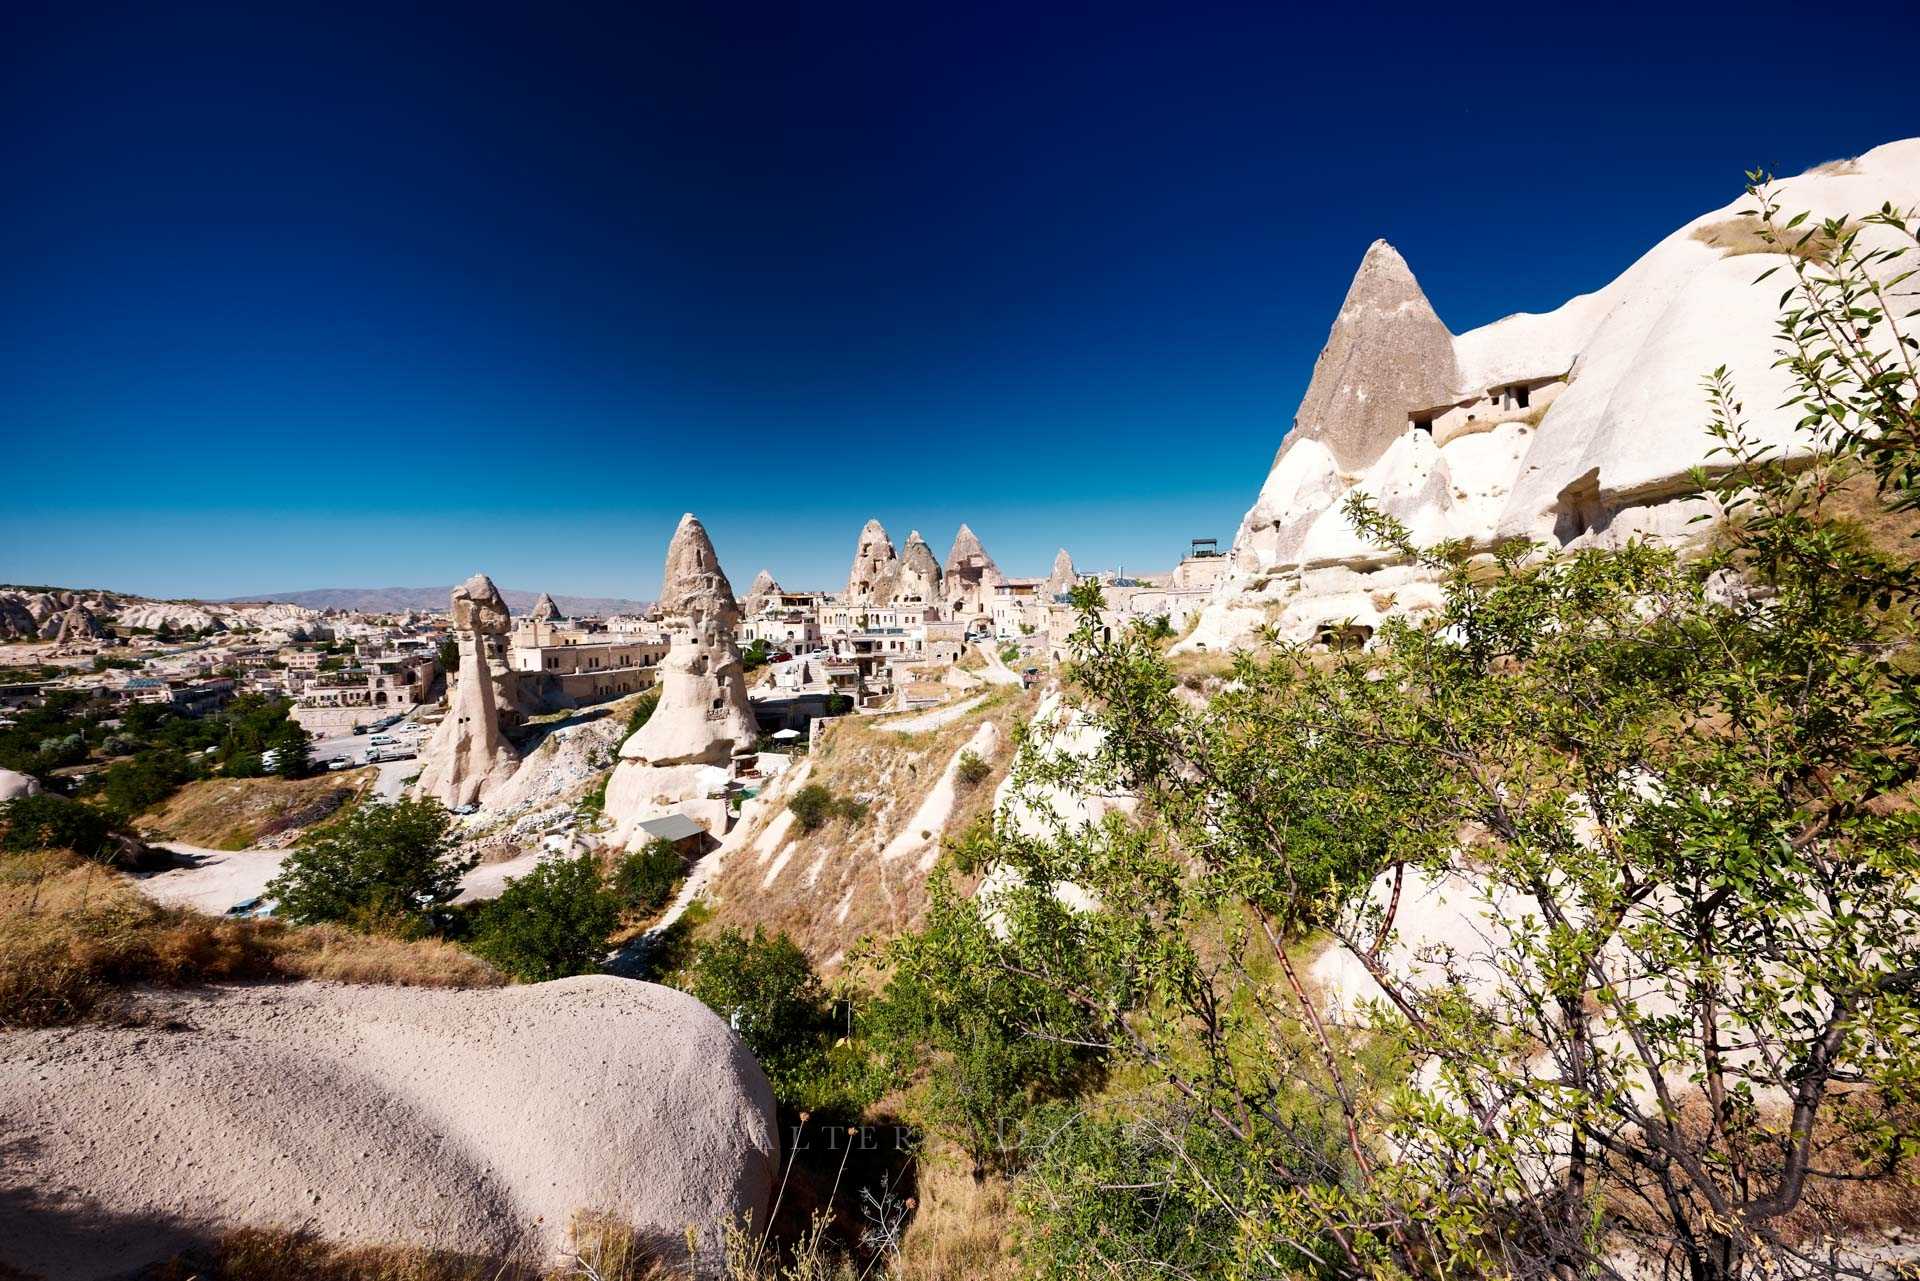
14 784
480 1121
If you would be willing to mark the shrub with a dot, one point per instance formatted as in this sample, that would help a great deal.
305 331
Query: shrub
644 880
973 769
765 987
815 805
48 822
386 867
812 806
128 787
551 923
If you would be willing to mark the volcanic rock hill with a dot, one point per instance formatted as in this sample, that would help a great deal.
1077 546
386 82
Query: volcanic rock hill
1574 427
69 614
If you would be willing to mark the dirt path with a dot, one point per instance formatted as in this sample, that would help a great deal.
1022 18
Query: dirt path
934 719
997 673
216 881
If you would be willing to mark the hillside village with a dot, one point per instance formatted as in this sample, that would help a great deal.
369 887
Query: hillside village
812 762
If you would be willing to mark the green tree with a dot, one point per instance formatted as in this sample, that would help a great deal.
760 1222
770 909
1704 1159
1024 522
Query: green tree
127 788
644 880
294 745
1674 797
386 867
765 987
993 1044
551 923
48 822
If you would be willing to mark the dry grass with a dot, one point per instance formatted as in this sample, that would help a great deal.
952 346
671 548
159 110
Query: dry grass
604 1249
853 893
1836 168
1200 668
72 934
238 813
1737 236
961 1227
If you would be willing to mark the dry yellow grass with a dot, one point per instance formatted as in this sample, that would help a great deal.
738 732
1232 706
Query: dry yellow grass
237 813
1737 236
72 933
961 1226
603 1249
854 893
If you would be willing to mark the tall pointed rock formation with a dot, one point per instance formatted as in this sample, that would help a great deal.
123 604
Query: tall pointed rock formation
469 755
703 712
1063 577
919 575
1387 357
764 587
693 580
875 567
970 575
544 610
1387 360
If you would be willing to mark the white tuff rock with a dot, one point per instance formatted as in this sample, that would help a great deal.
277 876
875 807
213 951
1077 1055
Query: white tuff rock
469 755
1576 427
476 1121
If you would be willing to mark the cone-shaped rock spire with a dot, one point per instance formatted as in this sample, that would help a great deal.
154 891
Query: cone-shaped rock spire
1387 357
469 755
764 586
875 566
703 711
1063 577
971 574
544 610
693 580
919 577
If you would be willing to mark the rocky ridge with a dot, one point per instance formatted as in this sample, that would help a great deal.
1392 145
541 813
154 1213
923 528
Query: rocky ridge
1575 427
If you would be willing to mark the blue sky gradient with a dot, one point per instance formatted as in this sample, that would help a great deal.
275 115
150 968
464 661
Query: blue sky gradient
382 296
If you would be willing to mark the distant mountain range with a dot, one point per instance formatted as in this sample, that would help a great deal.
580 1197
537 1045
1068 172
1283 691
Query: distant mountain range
393 600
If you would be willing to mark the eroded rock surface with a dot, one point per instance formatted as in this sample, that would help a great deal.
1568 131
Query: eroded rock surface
477 1121
469 754
1576 427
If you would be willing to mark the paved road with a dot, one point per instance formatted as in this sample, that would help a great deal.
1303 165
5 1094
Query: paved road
354 747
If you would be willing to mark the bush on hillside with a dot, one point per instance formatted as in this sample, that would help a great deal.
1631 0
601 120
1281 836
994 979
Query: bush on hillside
386 867
815 805
49 822
128 787
765 987
644 880
972 770
551 923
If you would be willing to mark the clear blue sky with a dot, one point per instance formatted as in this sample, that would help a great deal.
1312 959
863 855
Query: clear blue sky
381 297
